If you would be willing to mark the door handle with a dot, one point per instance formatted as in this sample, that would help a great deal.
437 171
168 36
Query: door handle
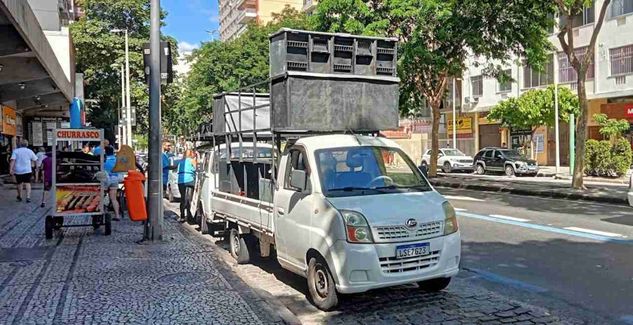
281 211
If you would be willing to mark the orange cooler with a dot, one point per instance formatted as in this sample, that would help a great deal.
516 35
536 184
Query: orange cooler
134 194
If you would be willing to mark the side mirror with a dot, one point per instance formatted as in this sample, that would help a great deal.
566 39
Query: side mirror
298 180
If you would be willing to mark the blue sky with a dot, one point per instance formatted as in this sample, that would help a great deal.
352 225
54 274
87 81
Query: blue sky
189 20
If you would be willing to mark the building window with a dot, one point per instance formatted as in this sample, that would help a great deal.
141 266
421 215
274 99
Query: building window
621 7
505 84
477 84
587 16
566 72
621 60
536 78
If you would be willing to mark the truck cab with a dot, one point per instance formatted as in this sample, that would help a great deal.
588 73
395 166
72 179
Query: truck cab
350 222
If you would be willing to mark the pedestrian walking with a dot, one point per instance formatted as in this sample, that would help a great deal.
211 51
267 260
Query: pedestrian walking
97 150
167 155
186 182
22 160
47 176
41 154
113 180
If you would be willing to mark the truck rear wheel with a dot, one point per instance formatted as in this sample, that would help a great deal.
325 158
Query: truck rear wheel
238 247
321 285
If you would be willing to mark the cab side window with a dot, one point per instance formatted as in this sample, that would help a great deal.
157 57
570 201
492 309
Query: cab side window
297 161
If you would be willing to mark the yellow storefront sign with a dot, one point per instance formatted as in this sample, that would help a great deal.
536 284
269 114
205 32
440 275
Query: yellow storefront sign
464 125
8 120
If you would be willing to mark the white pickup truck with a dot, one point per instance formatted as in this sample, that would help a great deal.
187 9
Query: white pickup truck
336 213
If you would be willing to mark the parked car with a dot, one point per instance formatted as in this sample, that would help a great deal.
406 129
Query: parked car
450 160
509 161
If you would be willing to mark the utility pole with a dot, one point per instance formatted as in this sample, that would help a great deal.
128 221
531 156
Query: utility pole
128 120
556 122
454 119
154 232
122 128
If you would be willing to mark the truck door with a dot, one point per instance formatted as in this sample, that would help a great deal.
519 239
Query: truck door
293 210
208 182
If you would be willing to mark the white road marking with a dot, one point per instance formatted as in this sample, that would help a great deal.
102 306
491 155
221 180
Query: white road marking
460 209
500 216
462 198
595 232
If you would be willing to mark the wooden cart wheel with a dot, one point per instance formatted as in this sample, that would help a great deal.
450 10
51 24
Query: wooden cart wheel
48 227
108 224
96 222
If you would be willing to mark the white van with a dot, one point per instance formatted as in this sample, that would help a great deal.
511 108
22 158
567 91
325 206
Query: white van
336 213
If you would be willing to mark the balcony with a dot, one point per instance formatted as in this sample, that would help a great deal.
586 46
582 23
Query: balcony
309 6
246 15
244 4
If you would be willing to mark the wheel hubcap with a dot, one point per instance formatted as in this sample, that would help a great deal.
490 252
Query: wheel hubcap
321 283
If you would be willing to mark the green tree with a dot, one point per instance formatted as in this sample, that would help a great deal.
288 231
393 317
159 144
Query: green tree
225 66
611 128
535 108
438 35
100 55
568 9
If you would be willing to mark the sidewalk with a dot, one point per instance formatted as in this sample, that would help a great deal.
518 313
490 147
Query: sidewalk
564 174
596 192
83 277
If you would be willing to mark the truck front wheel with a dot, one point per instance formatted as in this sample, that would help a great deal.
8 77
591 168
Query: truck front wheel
321 285
238 247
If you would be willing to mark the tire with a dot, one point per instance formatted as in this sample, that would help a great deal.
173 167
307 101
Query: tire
238 247
446 168
434 285
479 169
96 222
321 285
509 170
48 227
108 225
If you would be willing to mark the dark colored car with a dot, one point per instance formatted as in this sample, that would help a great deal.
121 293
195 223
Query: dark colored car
508 161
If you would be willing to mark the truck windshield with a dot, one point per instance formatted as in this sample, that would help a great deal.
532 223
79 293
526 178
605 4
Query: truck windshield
367 170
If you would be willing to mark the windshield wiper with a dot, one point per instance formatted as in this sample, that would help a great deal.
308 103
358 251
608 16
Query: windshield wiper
349 189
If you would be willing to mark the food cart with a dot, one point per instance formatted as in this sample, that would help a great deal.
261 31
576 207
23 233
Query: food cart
78 181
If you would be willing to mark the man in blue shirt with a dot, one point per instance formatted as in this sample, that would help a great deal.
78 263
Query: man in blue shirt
167 155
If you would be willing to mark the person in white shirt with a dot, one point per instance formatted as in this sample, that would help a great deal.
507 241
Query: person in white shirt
41 154
22 161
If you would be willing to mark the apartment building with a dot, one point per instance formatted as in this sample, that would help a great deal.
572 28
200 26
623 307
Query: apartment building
609 86
37 69
235 15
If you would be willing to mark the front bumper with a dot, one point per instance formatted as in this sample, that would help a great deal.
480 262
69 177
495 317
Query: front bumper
525 170
362 267
462 166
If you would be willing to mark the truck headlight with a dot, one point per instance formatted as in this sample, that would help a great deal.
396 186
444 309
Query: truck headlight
450 219
356 227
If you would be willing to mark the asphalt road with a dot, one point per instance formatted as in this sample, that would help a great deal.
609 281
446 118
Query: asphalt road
573 256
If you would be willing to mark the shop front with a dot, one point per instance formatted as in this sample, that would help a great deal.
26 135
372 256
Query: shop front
7 137
491 134
622 109
465 132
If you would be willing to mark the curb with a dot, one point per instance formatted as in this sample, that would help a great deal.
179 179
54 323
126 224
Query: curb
549 193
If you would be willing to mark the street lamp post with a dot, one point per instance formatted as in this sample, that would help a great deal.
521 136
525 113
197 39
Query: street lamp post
454 118
121 128
128 105
154 230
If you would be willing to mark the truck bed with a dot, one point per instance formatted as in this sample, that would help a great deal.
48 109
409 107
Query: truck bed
245 211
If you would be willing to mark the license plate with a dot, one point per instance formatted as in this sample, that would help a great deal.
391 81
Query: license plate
413 250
